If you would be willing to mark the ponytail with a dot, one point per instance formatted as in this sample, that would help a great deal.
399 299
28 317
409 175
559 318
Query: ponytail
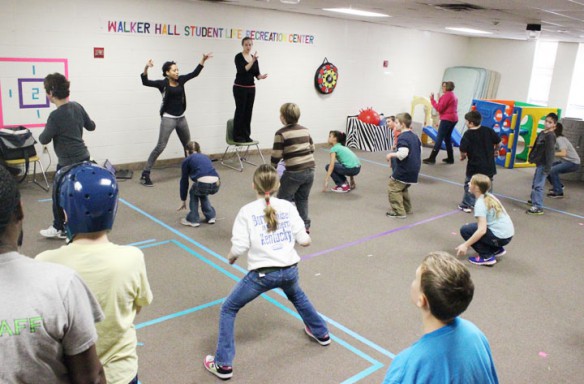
265 180
270 215
493 203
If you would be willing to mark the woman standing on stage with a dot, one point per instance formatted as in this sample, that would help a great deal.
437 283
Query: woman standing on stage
247 67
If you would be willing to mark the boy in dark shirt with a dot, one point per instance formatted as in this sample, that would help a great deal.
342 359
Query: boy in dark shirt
409 161
542 155
479 145
65 129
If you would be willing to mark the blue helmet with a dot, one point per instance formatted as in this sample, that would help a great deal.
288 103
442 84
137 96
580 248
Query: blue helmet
88 194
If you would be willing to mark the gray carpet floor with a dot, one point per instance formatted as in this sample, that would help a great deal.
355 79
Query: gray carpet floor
357 273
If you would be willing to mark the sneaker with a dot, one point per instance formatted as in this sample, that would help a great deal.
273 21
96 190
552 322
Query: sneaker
53 233
465 208
534 211
529 202
341 188
554 195
221 371
500 252
211 221
477 260
394 215
145 180
184 221
324 341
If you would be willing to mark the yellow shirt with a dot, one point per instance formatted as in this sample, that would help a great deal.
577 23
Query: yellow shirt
116 275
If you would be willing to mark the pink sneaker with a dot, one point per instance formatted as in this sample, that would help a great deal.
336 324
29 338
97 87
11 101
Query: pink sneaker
341 188
222 372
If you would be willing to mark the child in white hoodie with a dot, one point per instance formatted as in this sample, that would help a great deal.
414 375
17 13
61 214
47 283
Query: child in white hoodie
267 230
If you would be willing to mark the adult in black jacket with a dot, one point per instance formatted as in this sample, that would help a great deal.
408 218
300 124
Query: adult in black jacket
172 110
247 67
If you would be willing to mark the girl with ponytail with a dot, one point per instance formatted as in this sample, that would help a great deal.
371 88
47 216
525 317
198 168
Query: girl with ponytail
493 229
343 163
267 230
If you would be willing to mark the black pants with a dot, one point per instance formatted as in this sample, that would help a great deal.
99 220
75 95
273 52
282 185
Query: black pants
444 134
244 98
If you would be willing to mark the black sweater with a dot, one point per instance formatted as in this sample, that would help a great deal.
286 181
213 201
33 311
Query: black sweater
174 102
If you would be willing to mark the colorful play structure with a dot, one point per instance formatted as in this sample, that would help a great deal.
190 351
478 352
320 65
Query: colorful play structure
517 123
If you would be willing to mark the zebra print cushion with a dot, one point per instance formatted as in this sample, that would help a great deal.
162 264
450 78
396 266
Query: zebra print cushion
368 137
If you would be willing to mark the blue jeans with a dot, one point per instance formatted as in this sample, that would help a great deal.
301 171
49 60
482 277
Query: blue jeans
487 245
558 168
468 199
295 187
167 125
250 287
340 172
537 187
200 193
444 134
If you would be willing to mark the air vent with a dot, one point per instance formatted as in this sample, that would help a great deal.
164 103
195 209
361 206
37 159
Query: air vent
458 7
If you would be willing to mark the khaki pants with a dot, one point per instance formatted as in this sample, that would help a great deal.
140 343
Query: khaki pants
399 198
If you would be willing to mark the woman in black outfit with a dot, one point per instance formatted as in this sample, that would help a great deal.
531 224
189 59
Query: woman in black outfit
172 110
244 90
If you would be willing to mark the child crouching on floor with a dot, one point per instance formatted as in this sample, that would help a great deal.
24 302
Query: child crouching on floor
199 169
343 163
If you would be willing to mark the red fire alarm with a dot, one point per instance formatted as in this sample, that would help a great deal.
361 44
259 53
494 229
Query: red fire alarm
98 53
385 63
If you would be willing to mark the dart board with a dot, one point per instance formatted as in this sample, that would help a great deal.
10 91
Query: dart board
326 77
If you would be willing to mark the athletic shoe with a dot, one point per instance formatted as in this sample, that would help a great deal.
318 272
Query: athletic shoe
465 208
184 221
500 252
53 233
554 195
324 341
211 221
221 371
341 188
394 215
145 180
534 211
477 260
529 202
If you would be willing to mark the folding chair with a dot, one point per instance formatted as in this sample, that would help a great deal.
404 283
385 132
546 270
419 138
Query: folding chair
33 159
235 153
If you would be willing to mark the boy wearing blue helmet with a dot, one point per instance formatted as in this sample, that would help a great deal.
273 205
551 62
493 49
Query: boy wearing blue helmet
116 275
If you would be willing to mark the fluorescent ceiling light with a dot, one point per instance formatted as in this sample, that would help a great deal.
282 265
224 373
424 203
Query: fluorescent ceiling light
469 30
355 12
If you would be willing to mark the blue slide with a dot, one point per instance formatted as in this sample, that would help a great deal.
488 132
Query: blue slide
433 133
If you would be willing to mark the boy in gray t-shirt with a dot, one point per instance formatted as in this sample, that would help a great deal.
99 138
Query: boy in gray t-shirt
47 314
566 161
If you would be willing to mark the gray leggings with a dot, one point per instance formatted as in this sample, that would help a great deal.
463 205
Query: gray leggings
167 125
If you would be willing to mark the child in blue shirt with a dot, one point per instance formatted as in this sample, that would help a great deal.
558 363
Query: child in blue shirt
199 169
452 350
343 163
407 169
